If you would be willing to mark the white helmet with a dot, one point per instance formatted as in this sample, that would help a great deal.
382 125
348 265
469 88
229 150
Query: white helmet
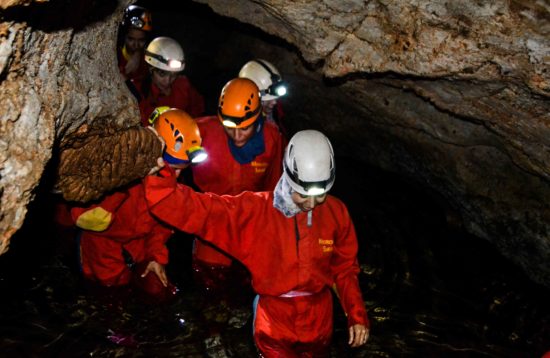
309 164
267 78
165 54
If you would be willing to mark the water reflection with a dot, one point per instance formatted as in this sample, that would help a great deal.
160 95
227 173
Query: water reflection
431 292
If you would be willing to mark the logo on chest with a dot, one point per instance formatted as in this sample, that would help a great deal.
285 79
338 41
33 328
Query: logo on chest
259 167
326 245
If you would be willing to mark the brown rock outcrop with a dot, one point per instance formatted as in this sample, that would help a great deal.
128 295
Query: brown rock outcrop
57 71
99 159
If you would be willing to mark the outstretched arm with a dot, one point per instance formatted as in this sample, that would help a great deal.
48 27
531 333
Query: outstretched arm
219 220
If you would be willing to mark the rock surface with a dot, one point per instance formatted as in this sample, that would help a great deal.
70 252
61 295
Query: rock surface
58 71
454 95
111 154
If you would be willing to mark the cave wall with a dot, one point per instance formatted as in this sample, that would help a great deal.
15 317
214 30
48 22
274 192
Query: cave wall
452 95
57 73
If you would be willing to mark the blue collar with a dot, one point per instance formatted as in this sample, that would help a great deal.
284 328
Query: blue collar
254 147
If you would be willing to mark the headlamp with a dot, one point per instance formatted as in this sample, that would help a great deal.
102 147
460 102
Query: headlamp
312 188
280 89
197 154
137 22
229 124
233 122
277 89
278 86
315 191
175 64
137 17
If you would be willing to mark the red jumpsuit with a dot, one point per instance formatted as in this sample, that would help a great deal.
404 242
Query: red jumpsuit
285 256
138 74
120 221
183 96
277 116
222 174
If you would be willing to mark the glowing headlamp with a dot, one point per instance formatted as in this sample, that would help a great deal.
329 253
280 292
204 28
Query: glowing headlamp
311 188
278 86
280 89
234 122
277 89
175 64
229 124
315 191
197 154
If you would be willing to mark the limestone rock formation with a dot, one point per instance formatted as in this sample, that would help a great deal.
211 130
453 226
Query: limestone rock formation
101 158
58 71
452 94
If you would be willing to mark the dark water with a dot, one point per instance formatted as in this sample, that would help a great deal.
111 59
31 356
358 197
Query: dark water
431 291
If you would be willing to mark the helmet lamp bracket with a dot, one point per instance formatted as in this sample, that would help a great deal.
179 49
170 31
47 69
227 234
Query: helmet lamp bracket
170 63
238 120
309 185
276 82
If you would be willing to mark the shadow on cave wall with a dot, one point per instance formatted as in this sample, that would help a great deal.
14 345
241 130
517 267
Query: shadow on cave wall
57 15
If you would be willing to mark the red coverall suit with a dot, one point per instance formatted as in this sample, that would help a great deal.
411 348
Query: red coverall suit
222 174
276 116
183 96
292 265
121 221
139 73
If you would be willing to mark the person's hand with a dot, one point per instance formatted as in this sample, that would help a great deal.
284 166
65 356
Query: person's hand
159 270
152 129
160 161
133 63
358 335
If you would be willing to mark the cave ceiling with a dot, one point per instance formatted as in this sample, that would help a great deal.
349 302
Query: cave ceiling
454 95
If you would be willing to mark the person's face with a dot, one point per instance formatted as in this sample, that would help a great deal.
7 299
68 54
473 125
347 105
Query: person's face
240 136
135 40
308 203
178 168
163 80
267 106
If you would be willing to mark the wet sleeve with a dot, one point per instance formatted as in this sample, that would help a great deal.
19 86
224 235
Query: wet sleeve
345 269
156 244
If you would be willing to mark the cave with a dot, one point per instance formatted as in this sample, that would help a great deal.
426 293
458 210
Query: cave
440 120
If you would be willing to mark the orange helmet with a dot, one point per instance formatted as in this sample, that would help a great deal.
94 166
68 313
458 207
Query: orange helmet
181 135
239 105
